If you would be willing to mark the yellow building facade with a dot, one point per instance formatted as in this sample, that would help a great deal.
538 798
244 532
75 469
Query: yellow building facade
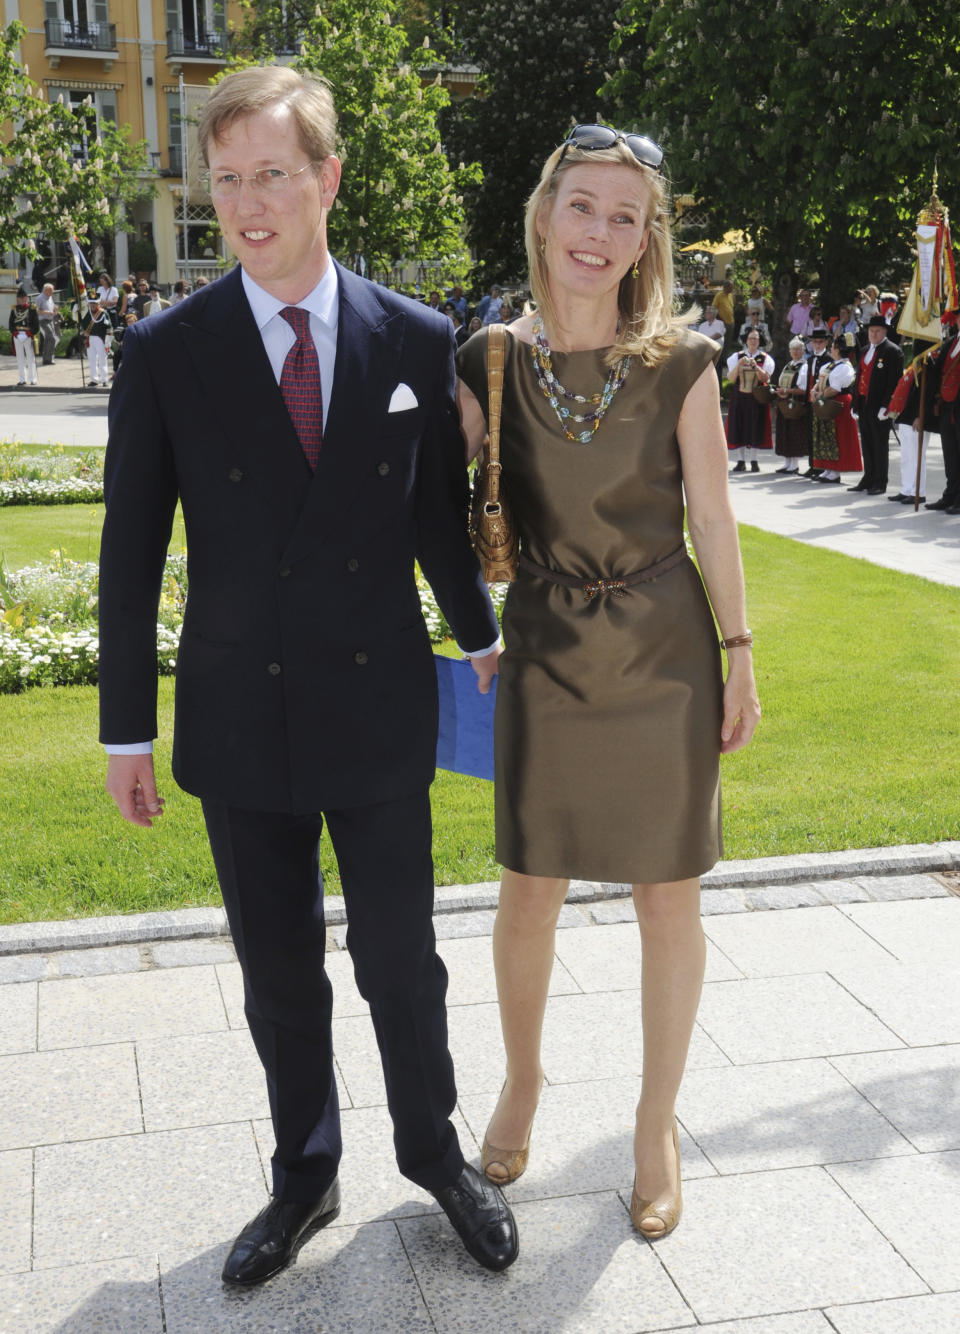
146 64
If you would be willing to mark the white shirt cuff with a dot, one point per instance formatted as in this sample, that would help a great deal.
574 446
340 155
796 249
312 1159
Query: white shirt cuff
128 747
481 652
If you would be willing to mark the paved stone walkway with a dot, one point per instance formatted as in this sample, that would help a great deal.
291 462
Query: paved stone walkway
820 1125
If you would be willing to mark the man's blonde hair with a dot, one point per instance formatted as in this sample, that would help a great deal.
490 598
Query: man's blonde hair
648 327
252 90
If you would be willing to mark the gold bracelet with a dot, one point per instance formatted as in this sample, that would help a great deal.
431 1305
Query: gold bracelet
737 641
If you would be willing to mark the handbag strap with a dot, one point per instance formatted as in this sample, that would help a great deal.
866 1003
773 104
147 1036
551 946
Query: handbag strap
496 351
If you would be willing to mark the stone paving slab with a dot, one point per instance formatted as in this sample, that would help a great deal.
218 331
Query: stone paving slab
797 940
53 1097
128 1006
582 1269
804 1015
918 1091
608 958
112 1297
199 1079
18 1029
920 1004
918 933
913 1202
16 1209
347 1280
936 1314
109 1198
751 1118
768 1242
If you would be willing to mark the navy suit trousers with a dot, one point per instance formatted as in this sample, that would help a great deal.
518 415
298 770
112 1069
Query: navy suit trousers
267 865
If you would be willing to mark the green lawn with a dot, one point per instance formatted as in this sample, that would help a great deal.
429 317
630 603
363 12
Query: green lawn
857 670
31 532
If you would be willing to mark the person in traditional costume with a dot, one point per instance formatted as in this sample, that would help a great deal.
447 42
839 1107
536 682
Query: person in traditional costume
24 326
946 372
836 443
792 410
818 356
880 368
748 421
611 700
904 411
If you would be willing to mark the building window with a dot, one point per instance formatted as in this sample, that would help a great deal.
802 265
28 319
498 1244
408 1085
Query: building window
104 103
81 23
203 233
196 27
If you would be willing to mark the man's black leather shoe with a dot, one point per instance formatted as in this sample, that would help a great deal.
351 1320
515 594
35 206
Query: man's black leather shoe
860 486
481 1217
876 490
952 509
940 504
271 1240
740 466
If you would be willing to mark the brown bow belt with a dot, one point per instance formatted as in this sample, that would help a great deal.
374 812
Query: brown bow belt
593 588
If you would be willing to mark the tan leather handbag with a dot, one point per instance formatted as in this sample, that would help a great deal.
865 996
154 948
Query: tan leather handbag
492 528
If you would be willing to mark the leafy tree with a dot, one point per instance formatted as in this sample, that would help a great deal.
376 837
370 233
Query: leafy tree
814 128
542 66
400 196
62 173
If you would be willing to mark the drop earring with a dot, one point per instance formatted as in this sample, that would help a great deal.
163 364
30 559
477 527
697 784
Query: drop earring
543 246
635 271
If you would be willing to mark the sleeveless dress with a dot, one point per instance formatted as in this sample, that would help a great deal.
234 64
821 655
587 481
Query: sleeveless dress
608 714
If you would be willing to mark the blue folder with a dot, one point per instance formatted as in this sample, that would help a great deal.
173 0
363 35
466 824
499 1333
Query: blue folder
465 737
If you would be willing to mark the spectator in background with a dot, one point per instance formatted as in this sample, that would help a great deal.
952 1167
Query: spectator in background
868 301
109 297
723 302
800 315
141 299
201 282
117 348
125 302
181 291
491 299
475 324
753 321
49 323
155 304
433 300
714 327
758 302
459 301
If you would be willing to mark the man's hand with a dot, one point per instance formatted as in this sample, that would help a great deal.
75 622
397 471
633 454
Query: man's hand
486 669
131 783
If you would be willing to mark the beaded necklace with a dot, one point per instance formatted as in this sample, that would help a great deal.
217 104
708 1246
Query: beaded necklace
554 391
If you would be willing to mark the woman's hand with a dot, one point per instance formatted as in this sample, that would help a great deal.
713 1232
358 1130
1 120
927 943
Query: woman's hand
741 707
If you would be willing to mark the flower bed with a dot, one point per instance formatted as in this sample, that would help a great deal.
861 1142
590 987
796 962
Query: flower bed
51 478
48 622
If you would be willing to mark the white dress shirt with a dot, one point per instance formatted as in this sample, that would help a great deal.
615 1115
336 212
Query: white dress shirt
278 338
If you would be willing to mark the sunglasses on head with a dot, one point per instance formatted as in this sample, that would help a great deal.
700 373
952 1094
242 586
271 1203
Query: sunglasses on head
590 137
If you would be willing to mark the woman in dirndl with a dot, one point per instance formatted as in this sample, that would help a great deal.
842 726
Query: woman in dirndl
836 440
792 410
748 421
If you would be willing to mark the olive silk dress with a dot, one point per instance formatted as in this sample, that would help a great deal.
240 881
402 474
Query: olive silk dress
608 711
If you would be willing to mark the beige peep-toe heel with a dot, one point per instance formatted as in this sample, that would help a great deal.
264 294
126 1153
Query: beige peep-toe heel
501 1166
655 1218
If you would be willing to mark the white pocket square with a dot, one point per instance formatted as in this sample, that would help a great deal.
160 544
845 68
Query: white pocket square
402 399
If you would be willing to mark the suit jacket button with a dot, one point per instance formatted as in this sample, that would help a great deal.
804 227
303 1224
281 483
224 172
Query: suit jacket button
235 474
274 668
383 469
360 658
353 565
286 572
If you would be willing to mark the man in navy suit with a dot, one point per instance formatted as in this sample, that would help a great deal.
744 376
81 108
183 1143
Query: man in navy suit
305 420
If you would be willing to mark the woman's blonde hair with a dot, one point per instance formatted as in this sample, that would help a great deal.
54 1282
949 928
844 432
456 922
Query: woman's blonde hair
648 326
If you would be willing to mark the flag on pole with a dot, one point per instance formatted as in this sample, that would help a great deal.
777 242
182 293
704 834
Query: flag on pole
79 265
933 288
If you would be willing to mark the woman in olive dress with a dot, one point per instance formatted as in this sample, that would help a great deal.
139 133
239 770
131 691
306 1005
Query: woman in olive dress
612 709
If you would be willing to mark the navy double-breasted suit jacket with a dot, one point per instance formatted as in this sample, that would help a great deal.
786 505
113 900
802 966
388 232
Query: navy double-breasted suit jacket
305 678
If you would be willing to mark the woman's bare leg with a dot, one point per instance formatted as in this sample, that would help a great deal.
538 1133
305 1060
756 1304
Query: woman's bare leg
674 953
523 948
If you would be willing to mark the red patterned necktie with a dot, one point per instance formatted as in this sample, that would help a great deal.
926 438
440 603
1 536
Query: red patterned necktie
300 385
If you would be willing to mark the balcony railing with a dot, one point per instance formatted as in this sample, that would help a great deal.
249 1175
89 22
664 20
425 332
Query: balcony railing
199 45
175 159
65 35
